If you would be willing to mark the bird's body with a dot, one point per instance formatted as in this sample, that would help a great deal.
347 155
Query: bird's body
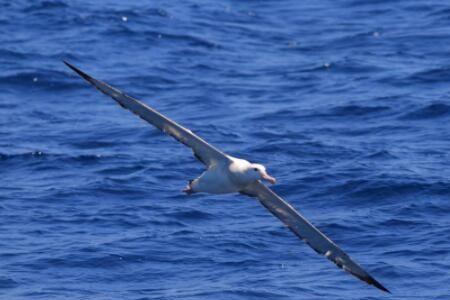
227 174
215 180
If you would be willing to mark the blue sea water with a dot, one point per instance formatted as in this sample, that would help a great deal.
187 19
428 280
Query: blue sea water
345 102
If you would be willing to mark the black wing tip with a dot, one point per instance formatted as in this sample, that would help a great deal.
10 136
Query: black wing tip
374 282
78 71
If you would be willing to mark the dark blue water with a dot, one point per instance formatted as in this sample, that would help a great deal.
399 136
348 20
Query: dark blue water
345 102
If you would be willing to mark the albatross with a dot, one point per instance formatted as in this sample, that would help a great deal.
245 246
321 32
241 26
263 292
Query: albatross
227 174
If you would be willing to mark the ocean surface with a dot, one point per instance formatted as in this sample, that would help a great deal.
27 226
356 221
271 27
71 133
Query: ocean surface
345 102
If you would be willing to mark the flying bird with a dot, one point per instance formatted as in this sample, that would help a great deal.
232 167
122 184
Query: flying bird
227 174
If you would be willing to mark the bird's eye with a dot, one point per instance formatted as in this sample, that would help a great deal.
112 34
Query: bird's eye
255 169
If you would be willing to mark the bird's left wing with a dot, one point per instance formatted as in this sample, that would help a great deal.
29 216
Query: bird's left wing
308 232
203 151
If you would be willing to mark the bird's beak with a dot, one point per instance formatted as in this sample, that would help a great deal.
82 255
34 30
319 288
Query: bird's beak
269 178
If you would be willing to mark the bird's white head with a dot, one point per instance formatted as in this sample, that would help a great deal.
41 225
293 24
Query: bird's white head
257 172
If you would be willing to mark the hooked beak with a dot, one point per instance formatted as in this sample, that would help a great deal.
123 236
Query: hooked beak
269 178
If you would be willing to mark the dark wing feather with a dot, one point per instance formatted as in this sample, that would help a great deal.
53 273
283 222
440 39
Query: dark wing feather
308 232
203 151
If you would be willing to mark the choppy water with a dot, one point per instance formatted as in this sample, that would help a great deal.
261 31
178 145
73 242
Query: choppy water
346 102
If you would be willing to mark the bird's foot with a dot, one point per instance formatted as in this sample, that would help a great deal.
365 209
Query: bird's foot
188 189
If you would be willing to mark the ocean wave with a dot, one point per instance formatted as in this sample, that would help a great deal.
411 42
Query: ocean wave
7 54
45 6
384 191
39 78
27 155
191 214
99 261
357 110
122 30
430 111
7 283
436 75
41 155
382 154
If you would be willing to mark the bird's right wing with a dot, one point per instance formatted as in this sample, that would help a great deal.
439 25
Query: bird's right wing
307 232
203 151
